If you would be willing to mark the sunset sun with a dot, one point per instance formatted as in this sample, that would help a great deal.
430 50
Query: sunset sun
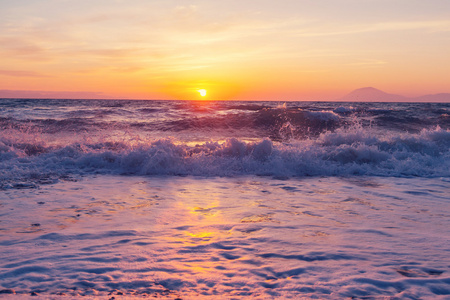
202 92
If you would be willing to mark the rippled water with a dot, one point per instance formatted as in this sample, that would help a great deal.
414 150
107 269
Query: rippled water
211 238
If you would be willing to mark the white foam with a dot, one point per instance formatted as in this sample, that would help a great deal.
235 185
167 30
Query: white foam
349 151
322 115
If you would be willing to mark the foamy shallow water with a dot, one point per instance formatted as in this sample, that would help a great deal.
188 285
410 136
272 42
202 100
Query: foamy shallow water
223 238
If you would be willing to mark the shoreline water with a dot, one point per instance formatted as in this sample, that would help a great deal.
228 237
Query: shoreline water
240 237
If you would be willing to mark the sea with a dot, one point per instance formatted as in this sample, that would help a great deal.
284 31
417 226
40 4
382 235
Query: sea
124 199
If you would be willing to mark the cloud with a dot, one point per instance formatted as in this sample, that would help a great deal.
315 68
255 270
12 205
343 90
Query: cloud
368 62
21 47
18 73
431 26
52 94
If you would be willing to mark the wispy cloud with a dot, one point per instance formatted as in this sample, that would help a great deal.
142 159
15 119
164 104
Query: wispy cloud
52 94
19 46
19 73
368 62
348 29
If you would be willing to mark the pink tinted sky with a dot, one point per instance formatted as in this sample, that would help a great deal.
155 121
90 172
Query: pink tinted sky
275 50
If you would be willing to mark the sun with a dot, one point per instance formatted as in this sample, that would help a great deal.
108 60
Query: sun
202 92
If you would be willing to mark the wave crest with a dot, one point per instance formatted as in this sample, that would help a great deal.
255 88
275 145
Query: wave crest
351 151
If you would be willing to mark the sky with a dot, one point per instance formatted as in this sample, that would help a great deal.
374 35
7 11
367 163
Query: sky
234 49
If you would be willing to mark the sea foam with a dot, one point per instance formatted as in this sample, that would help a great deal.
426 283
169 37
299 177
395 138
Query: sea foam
344 152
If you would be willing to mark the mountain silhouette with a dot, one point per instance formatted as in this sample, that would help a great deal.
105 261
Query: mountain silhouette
371 94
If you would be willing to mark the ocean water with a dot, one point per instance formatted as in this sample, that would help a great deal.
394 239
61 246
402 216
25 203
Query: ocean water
46 140
224 199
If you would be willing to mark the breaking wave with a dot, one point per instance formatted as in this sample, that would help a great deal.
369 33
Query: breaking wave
343 152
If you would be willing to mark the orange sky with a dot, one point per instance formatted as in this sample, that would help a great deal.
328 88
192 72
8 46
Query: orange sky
242 50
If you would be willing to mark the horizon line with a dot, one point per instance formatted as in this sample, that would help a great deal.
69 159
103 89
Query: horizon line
212 100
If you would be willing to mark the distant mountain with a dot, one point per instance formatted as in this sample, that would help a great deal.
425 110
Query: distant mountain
371 94
443 97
